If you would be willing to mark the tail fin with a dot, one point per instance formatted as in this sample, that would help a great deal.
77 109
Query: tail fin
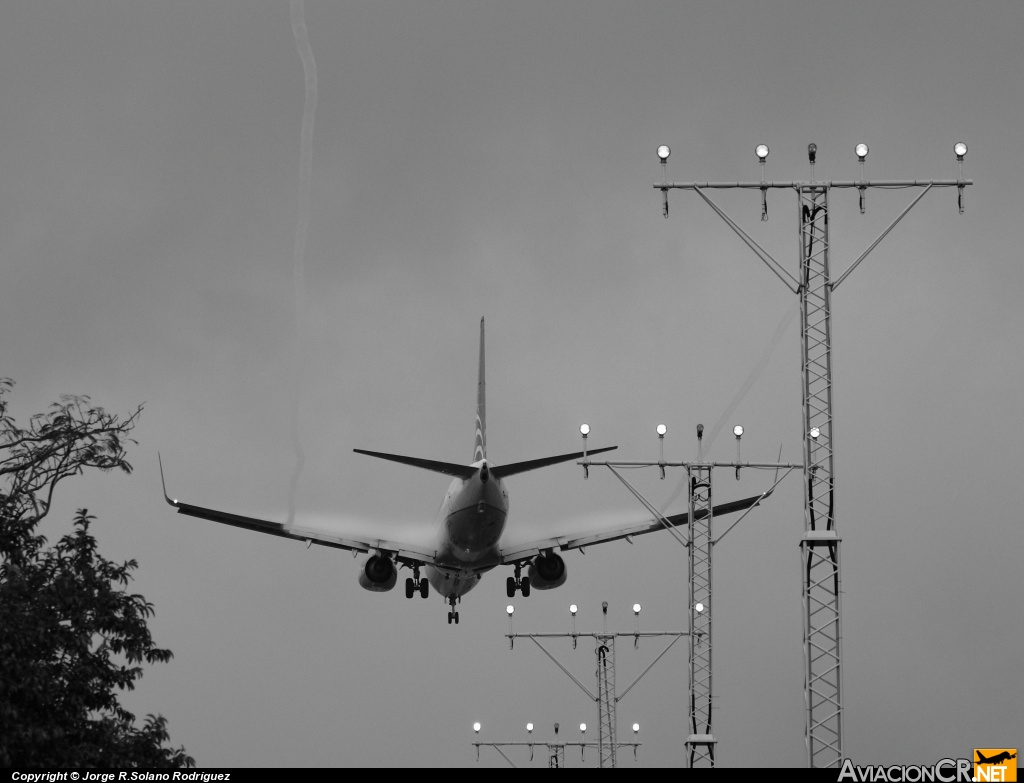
480 446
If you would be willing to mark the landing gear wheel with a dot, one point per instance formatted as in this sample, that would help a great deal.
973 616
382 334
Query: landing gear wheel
424 588
510 587
408 587
525 587
456 618
449 618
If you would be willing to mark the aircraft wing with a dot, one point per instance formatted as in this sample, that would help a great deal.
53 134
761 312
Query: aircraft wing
404 553
517 553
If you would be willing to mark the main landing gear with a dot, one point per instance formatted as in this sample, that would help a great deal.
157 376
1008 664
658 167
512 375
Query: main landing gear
415 584
516 582
452 615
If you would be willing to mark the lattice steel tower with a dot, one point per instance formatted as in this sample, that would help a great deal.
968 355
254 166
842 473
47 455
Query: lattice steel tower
606 700
700 744
820 544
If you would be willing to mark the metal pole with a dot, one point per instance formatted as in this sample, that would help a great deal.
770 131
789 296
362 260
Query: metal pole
819 546
700 744
606 701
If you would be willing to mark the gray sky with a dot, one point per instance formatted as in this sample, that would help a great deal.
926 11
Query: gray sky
497 159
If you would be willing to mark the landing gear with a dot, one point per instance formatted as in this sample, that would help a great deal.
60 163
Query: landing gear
452 615
516 582
414 584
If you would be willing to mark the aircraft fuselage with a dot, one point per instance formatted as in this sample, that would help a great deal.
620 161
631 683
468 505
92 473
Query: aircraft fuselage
469 526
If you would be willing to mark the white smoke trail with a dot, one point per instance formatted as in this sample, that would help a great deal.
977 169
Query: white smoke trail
711 434
298 20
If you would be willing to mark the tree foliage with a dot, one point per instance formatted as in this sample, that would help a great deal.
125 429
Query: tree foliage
71 636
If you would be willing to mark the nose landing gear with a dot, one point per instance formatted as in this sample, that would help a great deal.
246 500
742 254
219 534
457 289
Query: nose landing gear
453 615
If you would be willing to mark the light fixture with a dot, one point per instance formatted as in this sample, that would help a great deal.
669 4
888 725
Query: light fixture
636 608
738 432
815 432
699 607
662 429
583 727
960 149
761 150
510 609
862 152
636 728
573 609
664 152
476 727
584 430
529 728
812 152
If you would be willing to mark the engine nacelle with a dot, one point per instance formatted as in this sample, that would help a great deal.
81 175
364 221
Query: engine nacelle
378 573
547 572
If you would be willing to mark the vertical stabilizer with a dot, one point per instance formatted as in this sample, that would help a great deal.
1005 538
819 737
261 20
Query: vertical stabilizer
480 446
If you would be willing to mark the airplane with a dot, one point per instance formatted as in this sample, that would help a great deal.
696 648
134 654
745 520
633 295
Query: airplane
1004 756
470 524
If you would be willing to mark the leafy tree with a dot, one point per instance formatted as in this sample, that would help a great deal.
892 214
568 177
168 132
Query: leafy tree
71 635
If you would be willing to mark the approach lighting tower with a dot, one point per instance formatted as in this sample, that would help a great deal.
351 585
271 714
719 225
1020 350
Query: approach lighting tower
819 547
701 742
606 697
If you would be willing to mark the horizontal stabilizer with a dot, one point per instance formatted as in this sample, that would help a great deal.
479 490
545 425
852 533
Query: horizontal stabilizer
532 464
448 468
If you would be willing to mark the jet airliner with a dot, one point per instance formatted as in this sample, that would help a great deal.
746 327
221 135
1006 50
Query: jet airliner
470 524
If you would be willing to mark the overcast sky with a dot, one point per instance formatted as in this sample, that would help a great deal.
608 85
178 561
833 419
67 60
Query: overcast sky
496 159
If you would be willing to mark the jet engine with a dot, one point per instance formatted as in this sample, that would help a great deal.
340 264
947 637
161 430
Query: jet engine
547 571
378 574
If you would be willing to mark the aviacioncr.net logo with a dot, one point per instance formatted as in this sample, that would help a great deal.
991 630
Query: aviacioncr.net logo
945 771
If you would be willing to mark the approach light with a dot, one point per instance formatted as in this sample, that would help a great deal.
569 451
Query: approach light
737 430
636 608
761 150
960 149
815 432
662 429
699 607
529 728
636 728
664 152
862 151
573 609
476 727
510 609
584 430
583 727
604 607
812 152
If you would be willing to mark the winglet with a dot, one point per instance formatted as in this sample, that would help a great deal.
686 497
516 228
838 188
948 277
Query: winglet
163 483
